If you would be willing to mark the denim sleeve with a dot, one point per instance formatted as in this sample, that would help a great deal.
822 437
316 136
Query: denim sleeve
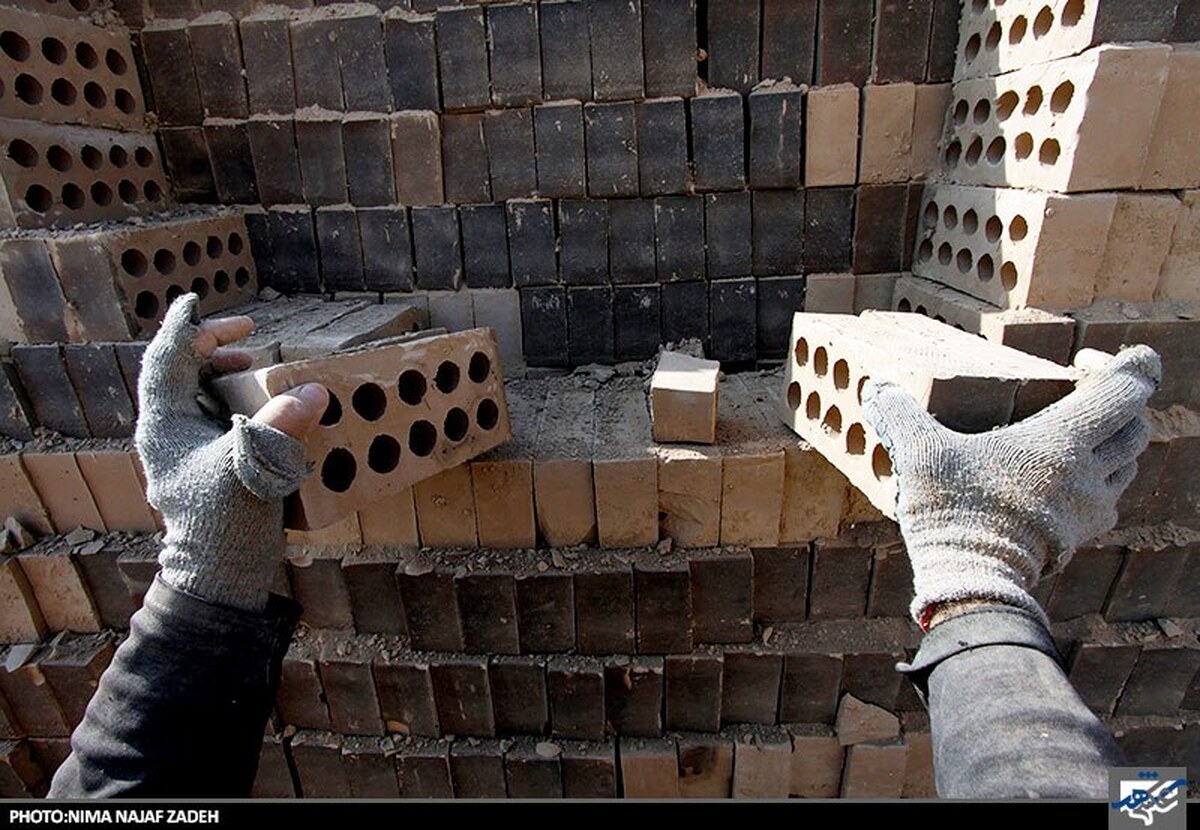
1005 720
181 710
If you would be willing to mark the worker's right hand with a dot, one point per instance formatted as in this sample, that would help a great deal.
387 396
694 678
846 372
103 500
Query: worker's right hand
220 489
982 515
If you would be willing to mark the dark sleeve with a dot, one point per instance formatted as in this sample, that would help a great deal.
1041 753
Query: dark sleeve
1005 720
181 710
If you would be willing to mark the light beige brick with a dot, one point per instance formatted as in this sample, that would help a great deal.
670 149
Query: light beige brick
831 136
887 133
1173 157
683 399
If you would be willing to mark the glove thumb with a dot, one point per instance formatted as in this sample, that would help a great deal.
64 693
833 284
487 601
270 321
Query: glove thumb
897 418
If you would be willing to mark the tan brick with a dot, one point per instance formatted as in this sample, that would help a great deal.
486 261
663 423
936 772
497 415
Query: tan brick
60 591
370 323
918 769
116 489
624 468
21 619
873 291
752 470
649 768
689 496
400 413
344 533
683 399
762 768
874 771
63 491
705 766
391 521
929 120
566 501
1138 242
1014 248
503 478
446 509
831 139
829 293
1179 278
814 495
887 133
20 498
816 765
859 723
1173 156
1076 124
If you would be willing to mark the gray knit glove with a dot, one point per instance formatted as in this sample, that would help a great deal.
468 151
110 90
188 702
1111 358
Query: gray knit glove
982 515
219 490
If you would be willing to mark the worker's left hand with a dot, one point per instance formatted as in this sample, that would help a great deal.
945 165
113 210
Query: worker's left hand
220 490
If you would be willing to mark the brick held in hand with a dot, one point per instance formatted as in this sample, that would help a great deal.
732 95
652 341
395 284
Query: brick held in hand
398 414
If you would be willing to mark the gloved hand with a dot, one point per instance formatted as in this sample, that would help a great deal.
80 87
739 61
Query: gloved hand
220 490
982 514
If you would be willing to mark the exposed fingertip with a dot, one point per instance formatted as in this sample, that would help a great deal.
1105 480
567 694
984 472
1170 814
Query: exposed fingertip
313 395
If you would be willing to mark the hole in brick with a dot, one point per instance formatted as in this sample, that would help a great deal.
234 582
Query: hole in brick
58 158
953 153
94 94
215 247
1008 276
54 50
939 318
164 261
422 438
856 440
115 62
1072 12
964 261
369 401
801 352
338 470
995 150
152 191
950 217
72 196
1005 105
63 91
333 411
970 221
1060 99
125 101
993 229
1033 100
794 395
456 424
241 277
1016 32
1023 146
23 153
191 253
143 157
945 253
235 244
101 193
904 305
127 190
28 89
134 263
974 151
173 293
993 37
983 111
92 158
925 251
487 414
38 198
841 375
15 46
931 215
881 462
1043 22
200 287
446 379
146 305
821 361
961 110
812 406
86 56
862 382
81 5
119 156
479 367
972 49
986 268
1018 228
1049 152
833 420
221 282
384 454
924 312
412 387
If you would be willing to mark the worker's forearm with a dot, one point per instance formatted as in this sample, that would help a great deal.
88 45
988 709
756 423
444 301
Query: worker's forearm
182 708
1005 720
